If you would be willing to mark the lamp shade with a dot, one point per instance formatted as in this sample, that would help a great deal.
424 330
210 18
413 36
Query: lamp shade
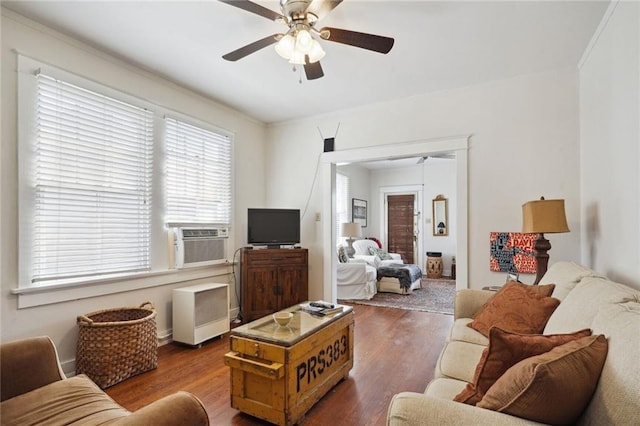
350 229
316 53
544 216
285 46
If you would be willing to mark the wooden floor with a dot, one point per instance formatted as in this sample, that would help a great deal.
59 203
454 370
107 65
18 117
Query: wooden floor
394 350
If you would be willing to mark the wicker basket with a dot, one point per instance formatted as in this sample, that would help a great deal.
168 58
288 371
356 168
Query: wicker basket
115 344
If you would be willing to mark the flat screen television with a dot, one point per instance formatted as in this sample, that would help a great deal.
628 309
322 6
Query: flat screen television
273 227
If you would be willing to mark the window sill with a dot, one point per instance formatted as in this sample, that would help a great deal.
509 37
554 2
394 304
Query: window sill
46 295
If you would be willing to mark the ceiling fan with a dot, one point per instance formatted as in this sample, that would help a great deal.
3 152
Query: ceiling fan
446 155
298 44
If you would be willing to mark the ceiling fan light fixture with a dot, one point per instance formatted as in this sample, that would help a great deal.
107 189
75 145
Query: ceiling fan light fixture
297 45
286 46
304 41
316 52
297 58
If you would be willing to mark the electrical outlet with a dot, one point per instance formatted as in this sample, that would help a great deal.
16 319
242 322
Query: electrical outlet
317 217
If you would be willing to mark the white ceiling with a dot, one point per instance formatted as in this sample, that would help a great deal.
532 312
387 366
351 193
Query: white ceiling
439 45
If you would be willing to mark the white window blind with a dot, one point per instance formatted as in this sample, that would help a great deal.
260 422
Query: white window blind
342 202
198 174
92 176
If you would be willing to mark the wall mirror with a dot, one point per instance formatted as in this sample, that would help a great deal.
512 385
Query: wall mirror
440 219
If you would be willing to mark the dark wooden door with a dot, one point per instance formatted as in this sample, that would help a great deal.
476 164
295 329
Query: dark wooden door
400 231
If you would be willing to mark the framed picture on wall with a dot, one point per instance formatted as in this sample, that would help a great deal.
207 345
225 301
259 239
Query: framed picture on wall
359 212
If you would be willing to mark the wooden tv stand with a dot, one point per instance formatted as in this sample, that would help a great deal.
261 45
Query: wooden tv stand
272 279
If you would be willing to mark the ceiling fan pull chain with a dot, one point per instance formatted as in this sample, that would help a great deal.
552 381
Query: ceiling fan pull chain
299 73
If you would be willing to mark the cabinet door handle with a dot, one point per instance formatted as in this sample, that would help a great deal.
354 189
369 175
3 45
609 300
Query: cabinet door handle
277 258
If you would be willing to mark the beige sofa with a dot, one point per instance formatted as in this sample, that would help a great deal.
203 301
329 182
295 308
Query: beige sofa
35 391
588 300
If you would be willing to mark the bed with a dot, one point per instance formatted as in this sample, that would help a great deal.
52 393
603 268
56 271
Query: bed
399 278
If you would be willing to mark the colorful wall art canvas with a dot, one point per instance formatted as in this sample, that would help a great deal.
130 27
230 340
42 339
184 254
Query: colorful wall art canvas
513 252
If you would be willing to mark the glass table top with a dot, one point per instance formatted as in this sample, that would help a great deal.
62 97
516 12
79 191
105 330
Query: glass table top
301 325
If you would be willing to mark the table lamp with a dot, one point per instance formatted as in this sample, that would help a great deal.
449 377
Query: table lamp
350 230
540 217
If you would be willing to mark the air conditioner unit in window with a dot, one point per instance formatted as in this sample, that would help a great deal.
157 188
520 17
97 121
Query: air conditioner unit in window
198 246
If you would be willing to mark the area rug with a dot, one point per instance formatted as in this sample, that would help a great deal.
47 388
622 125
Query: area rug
436 295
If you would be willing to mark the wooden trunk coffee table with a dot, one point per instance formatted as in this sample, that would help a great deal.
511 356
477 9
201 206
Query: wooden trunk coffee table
279 373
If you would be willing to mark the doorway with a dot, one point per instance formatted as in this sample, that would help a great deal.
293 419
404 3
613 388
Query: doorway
459 144
401 235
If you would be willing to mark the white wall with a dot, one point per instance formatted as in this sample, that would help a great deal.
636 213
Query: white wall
524 144
440 178
393 177
610 146
59 320
359 178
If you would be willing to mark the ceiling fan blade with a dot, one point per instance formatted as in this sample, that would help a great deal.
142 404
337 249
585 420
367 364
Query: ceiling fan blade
252 7
314 70
353 38
320 8
251 48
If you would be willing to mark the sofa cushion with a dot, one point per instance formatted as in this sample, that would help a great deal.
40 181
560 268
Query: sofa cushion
543 289
362 246
461 332
615 401
342 255
515 308
566 275
505 350
70 401
581 305
444 387
554 387
415 409
458 360
379 253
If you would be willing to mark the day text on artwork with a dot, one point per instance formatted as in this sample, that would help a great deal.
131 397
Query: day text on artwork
512 252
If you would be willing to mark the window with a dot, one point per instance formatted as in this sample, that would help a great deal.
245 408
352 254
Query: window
94 195
198 170
92 183
342 202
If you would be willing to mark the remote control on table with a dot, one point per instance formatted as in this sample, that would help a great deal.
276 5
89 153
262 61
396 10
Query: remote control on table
321 305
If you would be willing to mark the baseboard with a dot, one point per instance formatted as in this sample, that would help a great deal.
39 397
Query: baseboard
233 314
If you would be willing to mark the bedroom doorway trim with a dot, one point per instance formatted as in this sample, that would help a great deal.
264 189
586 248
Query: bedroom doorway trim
457 144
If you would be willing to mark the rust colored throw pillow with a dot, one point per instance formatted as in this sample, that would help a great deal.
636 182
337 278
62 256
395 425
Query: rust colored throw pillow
517 309
554 387
543 290
505 350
